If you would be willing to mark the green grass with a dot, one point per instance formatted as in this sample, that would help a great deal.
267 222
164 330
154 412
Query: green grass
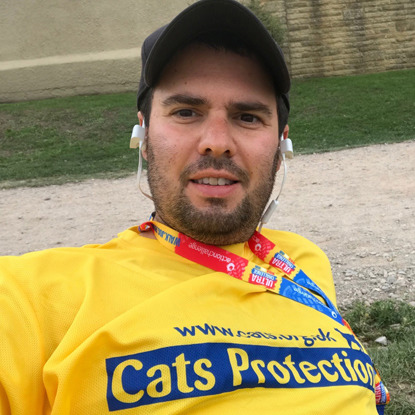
335 113
69 139
395 362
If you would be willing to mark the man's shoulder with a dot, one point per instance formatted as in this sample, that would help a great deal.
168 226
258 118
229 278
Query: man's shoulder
73 269
122 245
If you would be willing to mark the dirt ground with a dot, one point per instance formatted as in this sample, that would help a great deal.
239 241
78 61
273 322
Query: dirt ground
357 205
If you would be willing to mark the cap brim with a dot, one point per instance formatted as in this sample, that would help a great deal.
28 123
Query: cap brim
217 15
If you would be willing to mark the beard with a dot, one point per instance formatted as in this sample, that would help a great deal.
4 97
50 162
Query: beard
212 225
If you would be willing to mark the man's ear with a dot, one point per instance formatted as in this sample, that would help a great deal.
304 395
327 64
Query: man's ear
144 145
285 132
140 117
283 136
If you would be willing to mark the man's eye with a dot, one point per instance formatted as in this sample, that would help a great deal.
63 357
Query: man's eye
185 113
249 118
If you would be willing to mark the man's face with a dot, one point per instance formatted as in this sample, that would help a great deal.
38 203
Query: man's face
212 144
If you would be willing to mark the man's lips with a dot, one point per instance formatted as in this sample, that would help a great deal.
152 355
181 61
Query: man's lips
214 181
214 178
211 183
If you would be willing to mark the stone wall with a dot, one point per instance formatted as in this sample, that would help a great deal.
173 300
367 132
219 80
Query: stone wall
68 47
329 37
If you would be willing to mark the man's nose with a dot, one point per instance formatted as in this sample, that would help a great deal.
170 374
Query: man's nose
216 137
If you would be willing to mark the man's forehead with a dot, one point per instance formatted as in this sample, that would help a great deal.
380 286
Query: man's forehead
197 62
194 51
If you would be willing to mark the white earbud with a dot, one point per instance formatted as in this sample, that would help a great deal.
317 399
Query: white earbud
286 147
137 136
137 141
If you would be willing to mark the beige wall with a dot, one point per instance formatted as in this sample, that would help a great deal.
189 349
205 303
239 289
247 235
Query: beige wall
65 47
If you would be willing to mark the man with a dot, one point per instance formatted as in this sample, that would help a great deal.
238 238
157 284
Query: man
195 311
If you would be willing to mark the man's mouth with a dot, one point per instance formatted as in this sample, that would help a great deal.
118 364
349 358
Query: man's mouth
214 181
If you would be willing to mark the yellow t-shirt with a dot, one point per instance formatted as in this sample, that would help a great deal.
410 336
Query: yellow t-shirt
129 327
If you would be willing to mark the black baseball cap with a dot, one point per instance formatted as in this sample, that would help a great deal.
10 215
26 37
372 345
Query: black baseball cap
207 16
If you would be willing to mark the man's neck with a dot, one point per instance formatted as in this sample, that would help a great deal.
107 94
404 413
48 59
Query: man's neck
225 240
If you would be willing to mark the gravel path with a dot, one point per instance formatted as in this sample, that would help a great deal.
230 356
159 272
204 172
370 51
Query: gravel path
357 205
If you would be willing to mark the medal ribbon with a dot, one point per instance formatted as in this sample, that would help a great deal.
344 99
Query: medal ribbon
266 250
